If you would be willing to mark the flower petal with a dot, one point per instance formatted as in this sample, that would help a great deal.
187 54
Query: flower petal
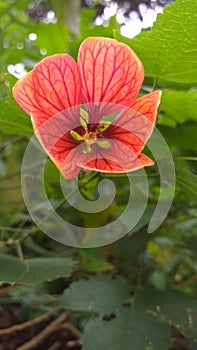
105 160
134 125
110 71
53 85
64 155
59 144
147 106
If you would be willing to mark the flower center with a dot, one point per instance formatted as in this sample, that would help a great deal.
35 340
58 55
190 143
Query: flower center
90 137
92 133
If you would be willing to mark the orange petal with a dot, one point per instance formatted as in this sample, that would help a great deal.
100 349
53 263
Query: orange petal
132 143
110 71
64 155
52 86
147 105
106 161
134 125
58 143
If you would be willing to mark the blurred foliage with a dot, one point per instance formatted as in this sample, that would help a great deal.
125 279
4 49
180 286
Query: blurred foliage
134 290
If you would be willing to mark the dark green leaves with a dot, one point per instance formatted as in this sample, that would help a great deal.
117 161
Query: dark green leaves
98 294
33 271
120 318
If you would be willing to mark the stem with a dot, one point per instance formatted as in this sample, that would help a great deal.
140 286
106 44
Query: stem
186 158
19 249
155 83
88 180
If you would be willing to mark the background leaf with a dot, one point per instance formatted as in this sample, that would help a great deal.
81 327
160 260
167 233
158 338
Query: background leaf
152 311
11 268
12 118
101 294
178 106
33 271
169 50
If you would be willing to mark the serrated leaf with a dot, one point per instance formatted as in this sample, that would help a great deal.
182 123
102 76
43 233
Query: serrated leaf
100 294
169 50
146 324
130 329
40 270
172 307
33 271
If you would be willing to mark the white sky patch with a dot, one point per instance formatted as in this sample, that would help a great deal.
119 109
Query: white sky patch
131 25
131 28
18 70
120 18
50 17
110 10
99 20
159 9
149 18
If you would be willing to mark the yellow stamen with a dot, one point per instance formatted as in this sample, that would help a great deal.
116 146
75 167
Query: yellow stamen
90 137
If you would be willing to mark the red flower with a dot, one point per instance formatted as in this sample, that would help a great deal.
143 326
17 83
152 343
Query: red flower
106 79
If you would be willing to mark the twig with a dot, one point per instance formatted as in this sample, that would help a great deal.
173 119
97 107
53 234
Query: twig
186 281
155 83
19 250
55 346
44 333
21 326
71 328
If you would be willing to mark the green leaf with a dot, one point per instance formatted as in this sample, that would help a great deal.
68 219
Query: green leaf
172 307
33 271
40 270
130 329
169 50
12 118
181 137
100 294
186 178
45 33
96 265
144 220
178 106
89 28
146 324
11 268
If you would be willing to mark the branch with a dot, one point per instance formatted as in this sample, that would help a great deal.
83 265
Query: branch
31 344
21 326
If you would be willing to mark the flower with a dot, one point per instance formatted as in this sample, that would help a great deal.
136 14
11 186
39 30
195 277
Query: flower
69 101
